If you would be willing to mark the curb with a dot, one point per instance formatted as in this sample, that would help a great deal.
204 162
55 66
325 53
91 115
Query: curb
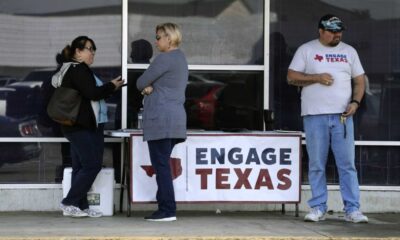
194 238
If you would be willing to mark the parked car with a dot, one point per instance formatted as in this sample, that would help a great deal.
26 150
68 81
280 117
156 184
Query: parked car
231 105
18 152
237 108
201 101
19 103
6 80
28 100
25 101
39 75
4 92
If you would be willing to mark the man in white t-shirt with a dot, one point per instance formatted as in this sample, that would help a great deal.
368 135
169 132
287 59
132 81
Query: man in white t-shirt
324 68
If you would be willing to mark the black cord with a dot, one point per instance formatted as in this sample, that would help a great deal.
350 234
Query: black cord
344 128
343 121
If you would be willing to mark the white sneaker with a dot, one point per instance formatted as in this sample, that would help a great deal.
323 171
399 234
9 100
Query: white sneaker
165 219
72 211
314 215
356 217
93 213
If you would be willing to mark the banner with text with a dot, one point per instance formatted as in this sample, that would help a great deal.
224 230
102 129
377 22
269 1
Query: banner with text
224 168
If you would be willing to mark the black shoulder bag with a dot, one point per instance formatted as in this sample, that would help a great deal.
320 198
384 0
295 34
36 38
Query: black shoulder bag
64 106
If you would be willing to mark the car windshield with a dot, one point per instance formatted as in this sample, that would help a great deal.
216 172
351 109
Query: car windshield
38 76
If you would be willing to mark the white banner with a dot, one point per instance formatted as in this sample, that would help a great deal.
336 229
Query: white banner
224 168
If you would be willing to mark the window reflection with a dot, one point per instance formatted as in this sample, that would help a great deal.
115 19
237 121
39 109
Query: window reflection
215 100
34 162
375 166
370 30
378 118
32 33
214 32
31 36
285 98
25 102
378 165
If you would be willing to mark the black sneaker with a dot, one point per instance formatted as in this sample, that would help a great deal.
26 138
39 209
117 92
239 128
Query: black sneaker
160 217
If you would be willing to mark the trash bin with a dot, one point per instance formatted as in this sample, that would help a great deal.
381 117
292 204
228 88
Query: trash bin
101 194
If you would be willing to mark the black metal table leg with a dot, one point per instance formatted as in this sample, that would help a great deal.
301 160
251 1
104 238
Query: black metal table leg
128 193
123 177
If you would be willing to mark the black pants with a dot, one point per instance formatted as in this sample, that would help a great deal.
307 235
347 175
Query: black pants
87 147
160 152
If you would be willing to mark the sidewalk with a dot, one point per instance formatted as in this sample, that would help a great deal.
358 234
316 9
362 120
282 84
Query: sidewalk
194 225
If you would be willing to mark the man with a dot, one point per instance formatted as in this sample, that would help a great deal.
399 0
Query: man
324 68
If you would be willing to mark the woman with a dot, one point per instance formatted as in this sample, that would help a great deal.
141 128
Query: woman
164 117
86 136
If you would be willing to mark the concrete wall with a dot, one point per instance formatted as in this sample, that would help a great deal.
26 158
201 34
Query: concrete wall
45 198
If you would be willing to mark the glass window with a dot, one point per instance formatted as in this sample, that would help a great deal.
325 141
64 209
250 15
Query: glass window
371 30
33 162
378 165
32 34
215 100
214 32
375 166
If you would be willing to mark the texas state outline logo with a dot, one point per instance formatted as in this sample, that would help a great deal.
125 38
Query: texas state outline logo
319 58
331 58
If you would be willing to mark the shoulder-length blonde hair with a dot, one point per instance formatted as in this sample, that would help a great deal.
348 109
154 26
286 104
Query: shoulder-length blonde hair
172 31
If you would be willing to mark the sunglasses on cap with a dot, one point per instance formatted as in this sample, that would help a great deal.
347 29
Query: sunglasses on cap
333 24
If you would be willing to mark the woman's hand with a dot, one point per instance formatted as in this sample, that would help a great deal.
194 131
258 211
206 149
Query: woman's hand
118 82
147 90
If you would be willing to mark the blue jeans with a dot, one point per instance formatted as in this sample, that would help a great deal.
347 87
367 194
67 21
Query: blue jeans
87 148
322 132
160 152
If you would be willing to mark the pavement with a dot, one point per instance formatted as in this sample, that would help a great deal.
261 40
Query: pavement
194 226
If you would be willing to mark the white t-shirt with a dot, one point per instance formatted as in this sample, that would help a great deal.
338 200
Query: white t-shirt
341 62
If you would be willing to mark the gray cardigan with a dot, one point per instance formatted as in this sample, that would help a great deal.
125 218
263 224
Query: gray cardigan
164 114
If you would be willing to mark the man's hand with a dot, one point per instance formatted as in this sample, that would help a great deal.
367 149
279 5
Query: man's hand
325 79
351 109
303 79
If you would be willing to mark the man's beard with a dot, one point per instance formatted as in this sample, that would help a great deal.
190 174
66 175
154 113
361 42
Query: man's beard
334 42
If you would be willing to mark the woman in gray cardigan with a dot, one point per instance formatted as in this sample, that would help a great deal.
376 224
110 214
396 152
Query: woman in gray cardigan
164 118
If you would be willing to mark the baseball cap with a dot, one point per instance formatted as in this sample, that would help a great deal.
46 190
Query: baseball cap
331 23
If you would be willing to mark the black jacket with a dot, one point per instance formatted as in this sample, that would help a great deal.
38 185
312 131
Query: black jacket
81 78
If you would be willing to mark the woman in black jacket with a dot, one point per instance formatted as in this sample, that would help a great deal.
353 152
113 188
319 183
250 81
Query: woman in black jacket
86 136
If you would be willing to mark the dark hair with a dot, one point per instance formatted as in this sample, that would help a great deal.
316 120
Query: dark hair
78 43
141 51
